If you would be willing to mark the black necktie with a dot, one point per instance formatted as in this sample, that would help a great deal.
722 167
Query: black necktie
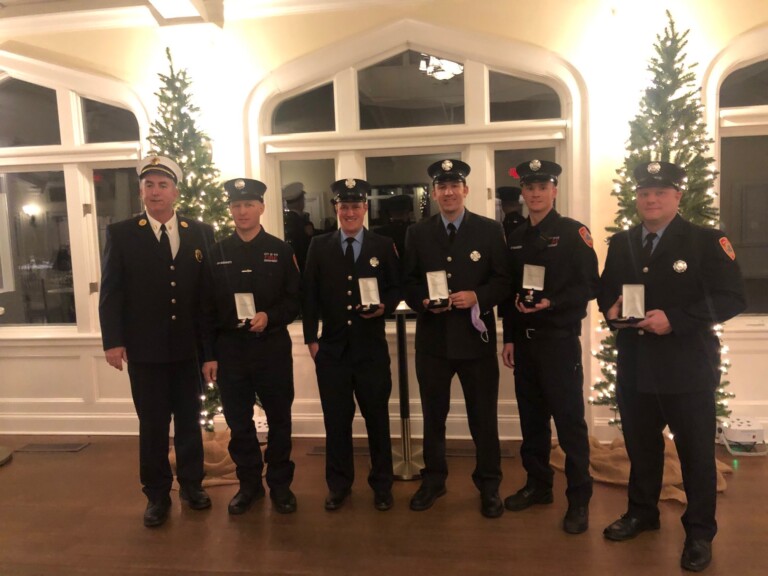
648 247
165 243
349 253
451 232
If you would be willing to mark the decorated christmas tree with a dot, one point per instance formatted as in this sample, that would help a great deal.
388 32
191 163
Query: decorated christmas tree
174 134
669 127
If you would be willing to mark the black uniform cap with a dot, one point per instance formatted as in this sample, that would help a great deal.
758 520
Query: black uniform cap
245 189
350 190
661 174
508 193
538 171
448 171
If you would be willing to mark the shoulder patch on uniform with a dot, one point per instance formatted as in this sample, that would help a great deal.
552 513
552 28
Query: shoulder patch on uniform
725 244
586 236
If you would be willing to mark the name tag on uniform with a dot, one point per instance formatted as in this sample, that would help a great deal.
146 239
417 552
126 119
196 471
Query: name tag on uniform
270 256
223 262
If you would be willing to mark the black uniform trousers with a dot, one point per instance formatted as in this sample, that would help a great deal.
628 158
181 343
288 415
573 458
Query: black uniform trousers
479 379
691 419
549 381
341 381
252 365
162 390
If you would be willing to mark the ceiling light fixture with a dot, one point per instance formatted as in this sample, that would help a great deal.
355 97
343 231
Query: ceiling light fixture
439 68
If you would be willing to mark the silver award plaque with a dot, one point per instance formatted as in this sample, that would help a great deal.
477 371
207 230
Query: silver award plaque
632 302
437 283
245 306
369 293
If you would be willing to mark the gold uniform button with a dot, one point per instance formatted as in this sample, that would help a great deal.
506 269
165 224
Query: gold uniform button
449 259
349 306
645 269
448 275
349 277
349 292
641 332
173 317
173 300
173 267
173 283
349 322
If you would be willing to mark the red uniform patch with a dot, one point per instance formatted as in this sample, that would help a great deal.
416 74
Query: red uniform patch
727 248
586 236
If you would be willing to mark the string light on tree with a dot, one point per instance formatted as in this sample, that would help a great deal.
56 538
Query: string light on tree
670 128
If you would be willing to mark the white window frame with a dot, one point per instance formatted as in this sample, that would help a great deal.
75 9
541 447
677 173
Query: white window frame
478 137
735 122
76 159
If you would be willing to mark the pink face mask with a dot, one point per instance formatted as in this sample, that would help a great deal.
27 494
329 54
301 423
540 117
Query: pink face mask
478 323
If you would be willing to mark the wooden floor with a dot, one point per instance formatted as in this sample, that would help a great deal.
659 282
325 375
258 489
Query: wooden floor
81 514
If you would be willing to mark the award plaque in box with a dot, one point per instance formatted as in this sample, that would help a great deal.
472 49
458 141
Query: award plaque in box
533 285
632 305
369 295
246 308
437 283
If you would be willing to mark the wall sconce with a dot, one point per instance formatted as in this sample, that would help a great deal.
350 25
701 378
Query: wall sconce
439 68
32 210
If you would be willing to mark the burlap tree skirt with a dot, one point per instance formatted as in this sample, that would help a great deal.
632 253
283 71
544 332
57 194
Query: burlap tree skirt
219 467
609 463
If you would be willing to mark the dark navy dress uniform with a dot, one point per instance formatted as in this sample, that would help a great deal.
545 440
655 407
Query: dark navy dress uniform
353 357
670 379
511 219
549 375
254 365
448 343
150 305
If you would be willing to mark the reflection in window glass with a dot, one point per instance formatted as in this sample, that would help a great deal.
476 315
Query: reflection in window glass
105 123
517 99
117 198
312 111
306 200
503 163
746 87
40 290
744 212
28 114
404 91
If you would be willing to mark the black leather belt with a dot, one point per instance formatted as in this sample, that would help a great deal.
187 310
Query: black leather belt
546 333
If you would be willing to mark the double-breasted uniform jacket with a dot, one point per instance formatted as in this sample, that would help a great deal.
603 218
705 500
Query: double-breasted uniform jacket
564 247
693 277
476 260
331 293
145 304
264 267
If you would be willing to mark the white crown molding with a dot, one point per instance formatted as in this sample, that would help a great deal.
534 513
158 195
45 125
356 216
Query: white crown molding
245 9
81 20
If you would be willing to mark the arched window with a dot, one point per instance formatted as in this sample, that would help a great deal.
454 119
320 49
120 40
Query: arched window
67 170
742 127
402 98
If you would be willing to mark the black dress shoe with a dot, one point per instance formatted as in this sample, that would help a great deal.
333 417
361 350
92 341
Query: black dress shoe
628 527
490 505
335 499
157 512
244 499
425 497
576 519
383 500
195 497
527 497
697 554
283 500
